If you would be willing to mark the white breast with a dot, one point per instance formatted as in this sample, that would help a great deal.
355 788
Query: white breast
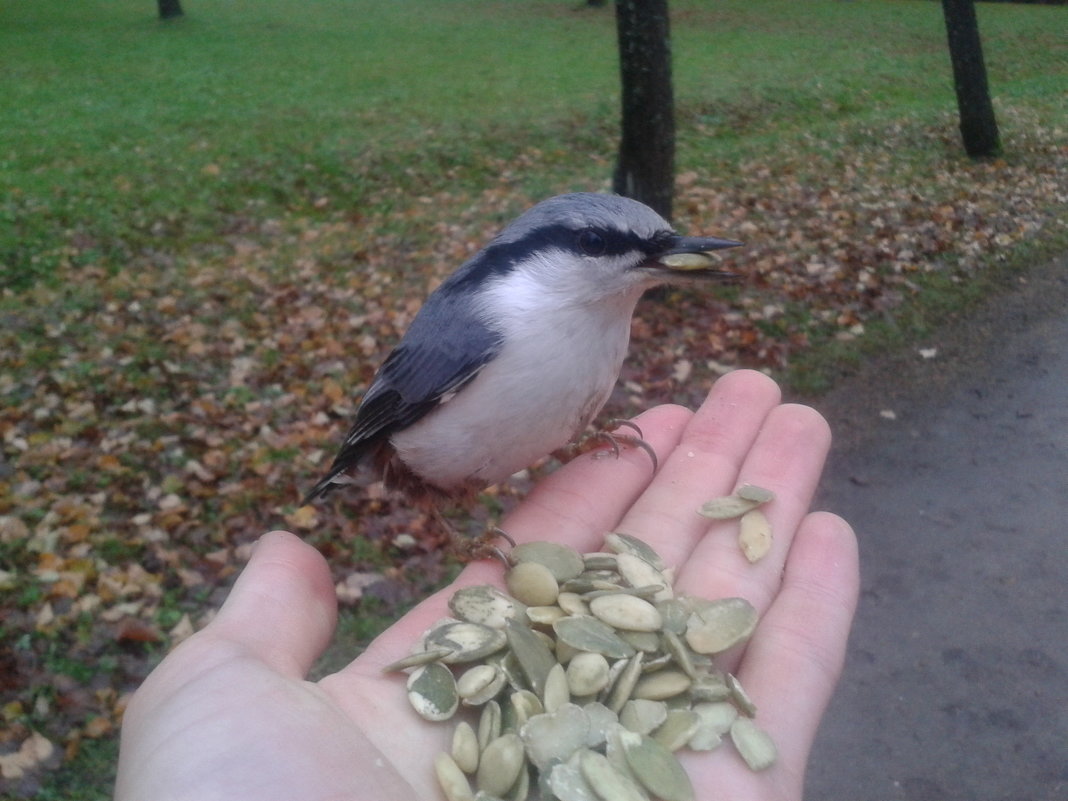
556 370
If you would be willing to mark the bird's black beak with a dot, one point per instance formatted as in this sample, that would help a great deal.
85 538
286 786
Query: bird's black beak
692 255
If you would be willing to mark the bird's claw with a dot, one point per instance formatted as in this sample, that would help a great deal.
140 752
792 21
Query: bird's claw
468 549
614 441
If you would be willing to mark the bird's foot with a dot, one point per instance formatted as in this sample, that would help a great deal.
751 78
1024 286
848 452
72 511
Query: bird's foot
473 549
466 549
614 441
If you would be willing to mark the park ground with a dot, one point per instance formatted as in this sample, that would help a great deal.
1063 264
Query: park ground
206 251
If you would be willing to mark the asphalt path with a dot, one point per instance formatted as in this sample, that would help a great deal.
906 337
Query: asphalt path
953 469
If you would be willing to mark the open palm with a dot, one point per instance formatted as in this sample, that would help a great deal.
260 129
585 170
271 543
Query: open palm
229 714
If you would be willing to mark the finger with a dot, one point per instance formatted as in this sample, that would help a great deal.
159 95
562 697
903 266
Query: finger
282 608
703 465
802 637
795 658
587 497
787 457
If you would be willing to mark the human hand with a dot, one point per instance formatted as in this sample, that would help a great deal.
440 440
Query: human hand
229 715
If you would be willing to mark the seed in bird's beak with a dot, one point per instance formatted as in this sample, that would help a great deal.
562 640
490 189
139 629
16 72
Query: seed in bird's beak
687 261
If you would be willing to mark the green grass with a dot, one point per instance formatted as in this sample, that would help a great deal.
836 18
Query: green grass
123 134
89 777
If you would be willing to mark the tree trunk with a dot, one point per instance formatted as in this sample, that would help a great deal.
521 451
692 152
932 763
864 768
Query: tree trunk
978 127
169 9
645 169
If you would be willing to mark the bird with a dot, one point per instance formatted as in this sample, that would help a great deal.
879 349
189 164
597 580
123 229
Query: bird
517 351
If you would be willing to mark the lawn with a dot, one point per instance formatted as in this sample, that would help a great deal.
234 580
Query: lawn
212 229
122 134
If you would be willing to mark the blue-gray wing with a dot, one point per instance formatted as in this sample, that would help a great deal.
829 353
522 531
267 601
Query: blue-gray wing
445 347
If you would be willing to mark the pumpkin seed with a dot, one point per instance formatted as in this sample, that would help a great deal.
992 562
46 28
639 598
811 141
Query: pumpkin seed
679 653
740 697
533 584
600 561
753 743
704 739
556 689
572 603
452 780
751 492
521 789
545 638
715 626
602 720
639 573
500 765
715 720
656 768
642 716
509 665
489 724
717 716
618 543
588 583
432 691
662 684
466 641
544 615
465 748
417 659
483 604
555 736
565 653
687 261
674 614
590 634
567 783
626 612
625 682
677 729
587 673
642 640
646 592
709 687
754 535
522 706
607 782
479 684
563 561
656 662
613 750
533 655
726 507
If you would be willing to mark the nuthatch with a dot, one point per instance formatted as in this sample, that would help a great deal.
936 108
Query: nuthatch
514 354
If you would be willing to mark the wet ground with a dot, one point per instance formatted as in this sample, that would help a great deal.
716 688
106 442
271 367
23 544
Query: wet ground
956 684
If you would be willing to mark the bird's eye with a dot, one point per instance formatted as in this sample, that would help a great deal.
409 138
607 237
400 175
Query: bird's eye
592 243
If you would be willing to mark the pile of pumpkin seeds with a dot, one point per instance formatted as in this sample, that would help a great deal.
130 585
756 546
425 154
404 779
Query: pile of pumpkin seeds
583 680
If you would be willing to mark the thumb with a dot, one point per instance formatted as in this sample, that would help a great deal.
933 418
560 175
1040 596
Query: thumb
283 607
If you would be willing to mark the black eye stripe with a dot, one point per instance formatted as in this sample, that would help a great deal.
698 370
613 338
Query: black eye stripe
612 242
616 243
500 258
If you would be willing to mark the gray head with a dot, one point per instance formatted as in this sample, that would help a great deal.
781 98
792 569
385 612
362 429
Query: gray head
580 211
587 245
